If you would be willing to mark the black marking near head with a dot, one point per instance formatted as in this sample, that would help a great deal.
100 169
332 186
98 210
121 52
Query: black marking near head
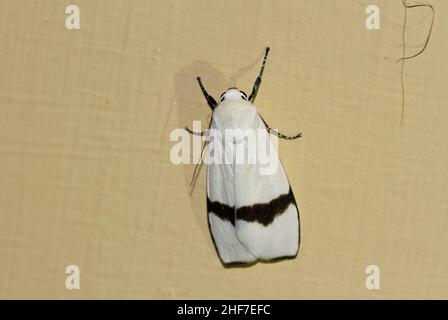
263 213
233 93
222 98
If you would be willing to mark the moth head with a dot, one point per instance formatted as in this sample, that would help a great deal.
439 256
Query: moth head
233 94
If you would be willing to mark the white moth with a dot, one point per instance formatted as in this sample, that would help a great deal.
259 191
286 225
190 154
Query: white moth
252 216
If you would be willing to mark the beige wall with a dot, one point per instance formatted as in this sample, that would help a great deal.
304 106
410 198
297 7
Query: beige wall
85 174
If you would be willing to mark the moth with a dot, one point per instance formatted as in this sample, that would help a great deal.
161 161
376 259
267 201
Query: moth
252 216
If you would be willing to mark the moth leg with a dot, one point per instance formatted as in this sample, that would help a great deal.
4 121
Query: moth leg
197 167
282 136
210 100
202 133
258 80
199 164
278 134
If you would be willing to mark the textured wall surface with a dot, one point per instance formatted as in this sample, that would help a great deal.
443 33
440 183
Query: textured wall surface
85 120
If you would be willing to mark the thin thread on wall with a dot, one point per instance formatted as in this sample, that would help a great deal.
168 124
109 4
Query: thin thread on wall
404 57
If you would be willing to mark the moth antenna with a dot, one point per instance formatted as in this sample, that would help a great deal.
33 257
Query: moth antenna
210 100
260 75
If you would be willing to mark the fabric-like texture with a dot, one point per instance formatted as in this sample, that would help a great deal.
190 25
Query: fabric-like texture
85 122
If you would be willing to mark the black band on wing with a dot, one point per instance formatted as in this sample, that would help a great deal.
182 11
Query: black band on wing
263 213
222 210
